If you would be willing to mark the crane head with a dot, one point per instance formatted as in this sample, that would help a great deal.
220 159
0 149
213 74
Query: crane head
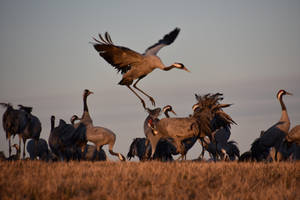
74 118
169 108
181 66
281 93
87 92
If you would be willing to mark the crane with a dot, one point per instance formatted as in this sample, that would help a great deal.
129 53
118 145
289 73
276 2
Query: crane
134 65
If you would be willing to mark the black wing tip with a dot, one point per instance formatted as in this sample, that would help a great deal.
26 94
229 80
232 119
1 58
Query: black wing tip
103 40
177 29
170 37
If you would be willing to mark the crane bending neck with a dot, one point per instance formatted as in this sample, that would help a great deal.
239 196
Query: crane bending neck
169 67
283 107
167 114
284 117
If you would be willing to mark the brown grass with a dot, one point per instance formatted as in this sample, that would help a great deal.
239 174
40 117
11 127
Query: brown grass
149 180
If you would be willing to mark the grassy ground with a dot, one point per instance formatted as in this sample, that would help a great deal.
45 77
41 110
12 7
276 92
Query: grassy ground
149 180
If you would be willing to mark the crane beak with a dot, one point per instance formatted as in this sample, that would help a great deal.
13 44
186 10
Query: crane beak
289 93
173 112
185 69
91 92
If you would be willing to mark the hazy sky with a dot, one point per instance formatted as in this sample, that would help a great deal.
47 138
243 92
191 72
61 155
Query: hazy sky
247 50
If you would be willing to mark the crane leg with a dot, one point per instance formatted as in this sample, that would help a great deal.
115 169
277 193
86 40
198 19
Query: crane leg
150 98
36 143
24 142
203 149
9 146
143 102
153 143
180 149
20 138
147 150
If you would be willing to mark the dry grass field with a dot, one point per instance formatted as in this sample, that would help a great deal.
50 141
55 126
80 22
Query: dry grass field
149 180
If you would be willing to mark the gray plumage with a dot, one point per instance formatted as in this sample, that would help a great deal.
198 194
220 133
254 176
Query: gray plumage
65 140
134 65
152 118
227 150
150 132
232 150
289 150
164 150
294 135
138 148
198 125
221 137
211 148
98 135
246 157
33 127
258 151
14 122
54 141
102 136
15 156
274 136
90 153
42 152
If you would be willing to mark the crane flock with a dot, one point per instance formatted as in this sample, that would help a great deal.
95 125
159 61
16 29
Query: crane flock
165 137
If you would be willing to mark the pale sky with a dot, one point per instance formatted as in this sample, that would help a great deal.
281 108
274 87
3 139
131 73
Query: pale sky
247 50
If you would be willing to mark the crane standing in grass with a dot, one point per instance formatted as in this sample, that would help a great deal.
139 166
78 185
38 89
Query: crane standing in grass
85 118
134 65
198 125
32 130
274 135
14 123
42 150
98 135
15 156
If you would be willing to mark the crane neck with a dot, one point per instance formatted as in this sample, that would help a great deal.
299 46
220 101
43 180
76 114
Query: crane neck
283 107
85 107
52 124
167 114
169 67
284 117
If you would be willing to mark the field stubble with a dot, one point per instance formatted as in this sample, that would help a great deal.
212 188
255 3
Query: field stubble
148 180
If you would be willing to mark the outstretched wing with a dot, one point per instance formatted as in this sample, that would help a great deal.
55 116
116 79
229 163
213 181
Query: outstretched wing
167 40
121 58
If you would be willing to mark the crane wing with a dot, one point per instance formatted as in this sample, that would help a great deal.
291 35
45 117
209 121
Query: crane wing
293 135
167 40
65 132
121 58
